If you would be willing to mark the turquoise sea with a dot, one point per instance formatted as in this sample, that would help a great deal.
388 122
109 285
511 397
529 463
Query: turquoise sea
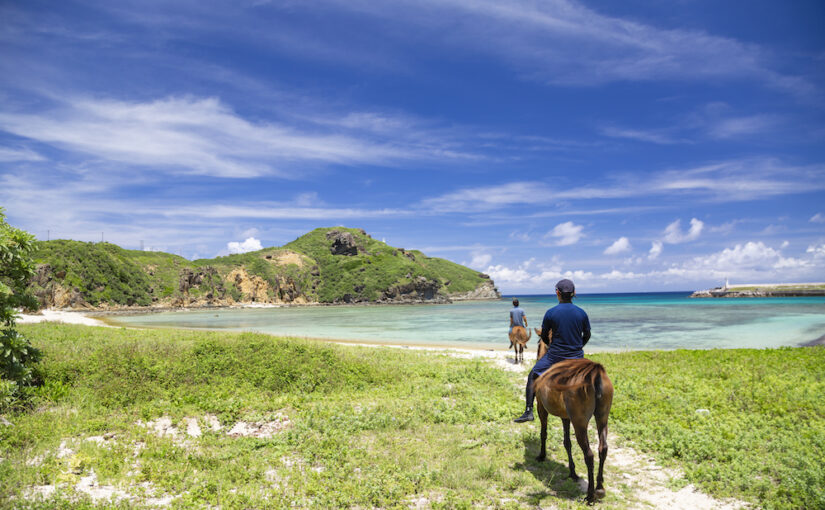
668 320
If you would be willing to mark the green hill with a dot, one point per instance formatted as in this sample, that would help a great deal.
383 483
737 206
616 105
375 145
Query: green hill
326 265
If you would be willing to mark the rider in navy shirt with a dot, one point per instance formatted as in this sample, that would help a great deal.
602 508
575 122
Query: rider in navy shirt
568 329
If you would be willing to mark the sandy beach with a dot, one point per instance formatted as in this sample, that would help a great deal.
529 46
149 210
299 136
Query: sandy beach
64 316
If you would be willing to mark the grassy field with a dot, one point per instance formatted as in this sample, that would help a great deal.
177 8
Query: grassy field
384 427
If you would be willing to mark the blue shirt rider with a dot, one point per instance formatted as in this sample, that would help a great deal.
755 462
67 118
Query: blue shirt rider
567 328
517 316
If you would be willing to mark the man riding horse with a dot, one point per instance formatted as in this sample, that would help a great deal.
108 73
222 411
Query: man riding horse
566 328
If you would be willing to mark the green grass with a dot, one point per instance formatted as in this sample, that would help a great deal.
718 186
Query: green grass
383 427
763 436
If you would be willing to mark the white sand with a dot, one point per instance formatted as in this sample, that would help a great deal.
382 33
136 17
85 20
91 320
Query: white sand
66 317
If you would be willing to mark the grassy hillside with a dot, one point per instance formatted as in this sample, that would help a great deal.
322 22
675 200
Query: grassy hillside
377 267
327 265
390 428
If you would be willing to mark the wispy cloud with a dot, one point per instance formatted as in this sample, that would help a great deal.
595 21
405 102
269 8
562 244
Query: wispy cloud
733 180
565 42
279 212
641 135
8 154
204 136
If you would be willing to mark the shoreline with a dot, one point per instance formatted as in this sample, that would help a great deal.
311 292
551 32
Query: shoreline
137 310
99 318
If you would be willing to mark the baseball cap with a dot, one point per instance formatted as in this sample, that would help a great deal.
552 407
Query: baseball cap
566 286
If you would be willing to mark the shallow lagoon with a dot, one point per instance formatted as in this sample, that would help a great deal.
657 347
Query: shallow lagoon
619 321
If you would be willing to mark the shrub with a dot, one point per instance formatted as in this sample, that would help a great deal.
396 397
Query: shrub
17 356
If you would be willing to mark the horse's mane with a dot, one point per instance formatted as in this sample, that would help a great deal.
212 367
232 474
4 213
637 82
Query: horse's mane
571 374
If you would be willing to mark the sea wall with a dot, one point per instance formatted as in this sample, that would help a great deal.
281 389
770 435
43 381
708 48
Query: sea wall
718 293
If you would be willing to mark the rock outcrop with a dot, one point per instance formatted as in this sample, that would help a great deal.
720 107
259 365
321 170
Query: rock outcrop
52 293
343 243
418 290
487 290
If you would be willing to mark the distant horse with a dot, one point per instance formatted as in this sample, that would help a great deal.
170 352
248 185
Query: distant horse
519 337
574 390
542 348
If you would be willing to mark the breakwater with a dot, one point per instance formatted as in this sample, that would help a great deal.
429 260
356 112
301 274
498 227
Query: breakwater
763 290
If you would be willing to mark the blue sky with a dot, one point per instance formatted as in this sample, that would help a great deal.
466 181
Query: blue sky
631 146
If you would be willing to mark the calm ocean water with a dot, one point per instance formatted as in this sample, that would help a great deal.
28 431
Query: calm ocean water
668 320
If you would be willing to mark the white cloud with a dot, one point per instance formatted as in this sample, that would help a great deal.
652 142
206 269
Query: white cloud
489 197
655 250
8 154
640 135
566 233
565 42
204 136
748 258
480 261
621 245
519 236
731 180
519 276
250 244
816 251
735 127
535 276
817 218
752 261
673 233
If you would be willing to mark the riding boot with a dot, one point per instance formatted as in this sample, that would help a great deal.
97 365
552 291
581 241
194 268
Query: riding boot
529 395
527 416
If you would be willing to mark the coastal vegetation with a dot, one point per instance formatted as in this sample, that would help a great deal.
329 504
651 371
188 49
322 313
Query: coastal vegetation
383 427
17 356
326 265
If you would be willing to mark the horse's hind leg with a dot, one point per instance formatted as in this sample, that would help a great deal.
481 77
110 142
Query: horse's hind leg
601 425
565 422
543 418
584 444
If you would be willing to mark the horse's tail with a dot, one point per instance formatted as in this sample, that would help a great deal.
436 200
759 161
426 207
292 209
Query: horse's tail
576 373
529 334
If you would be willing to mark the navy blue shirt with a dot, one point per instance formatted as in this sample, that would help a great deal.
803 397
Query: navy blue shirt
568 323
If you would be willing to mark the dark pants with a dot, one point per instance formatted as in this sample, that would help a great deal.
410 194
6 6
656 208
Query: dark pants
541 366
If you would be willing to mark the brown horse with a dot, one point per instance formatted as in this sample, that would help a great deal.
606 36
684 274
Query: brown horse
519 337
574 390
542 348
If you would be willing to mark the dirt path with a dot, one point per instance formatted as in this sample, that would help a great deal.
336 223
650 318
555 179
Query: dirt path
641 481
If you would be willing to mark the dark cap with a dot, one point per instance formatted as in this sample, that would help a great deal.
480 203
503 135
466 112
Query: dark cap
565 286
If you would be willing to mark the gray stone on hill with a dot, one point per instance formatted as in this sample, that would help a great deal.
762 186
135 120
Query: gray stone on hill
343 243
